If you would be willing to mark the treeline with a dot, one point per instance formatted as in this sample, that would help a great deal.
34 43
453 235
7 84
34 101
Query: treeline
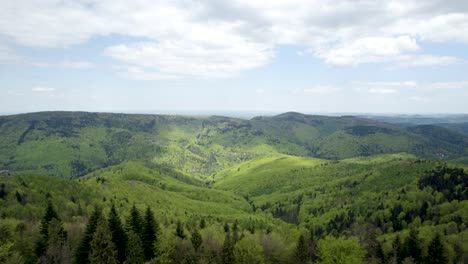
140 239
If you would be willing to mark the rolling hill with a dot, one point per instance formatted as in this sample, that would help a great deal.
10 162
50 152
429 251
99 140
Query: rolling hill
72 144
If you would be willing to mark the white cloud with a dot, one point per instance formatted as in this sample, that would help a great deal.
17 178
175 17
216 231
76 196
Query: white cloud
321 90
42 89
388 84
76 65
229 37
449 85
371 49
199 58
377 90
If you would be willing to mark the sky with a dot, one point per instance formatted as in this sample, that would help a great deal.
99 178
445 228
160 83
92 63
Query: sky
182 56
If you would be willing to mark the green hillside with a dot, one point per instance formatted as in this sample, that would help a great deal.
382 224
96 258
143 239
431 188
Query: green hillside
284 189
72 144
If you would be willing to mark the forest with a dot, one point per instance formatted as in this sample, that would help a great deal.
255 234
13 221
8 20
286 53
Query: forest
114 188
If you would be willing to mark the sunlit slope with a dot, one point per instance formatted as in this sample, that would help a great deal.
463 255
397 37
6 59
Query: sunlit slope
73 144
301 190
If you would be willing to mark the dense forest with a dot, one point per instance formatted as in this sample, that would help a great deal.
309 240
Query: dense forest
112 188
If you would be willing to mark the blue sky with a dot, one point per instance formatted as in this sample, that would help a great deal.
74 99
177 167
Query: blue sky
234 56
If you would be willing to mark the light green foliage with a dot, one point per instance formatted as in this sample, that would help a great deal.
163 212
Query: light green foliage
340 250
249 251
102 248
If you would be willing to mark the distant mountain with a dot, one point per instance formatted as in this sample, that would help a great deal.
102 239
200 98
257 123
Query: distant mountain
72 144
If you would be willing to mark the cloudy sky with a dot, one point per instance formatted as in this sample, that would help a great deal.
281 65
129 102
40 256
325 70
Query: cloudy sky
313 56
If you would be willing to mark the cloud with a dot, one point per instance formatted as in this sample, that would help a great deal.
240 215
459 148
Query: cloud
449 85
76 65
321 90
377 90
225 38
198 58
371 49
42 89
388 84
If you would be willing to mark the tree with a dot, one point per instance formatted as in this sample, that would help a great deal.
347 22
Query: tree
180 230
202 223
301 250
196 240
119 237
102 248
435 251
58 251
135 221
227 253
134 253
248 251
83 250
42 243
150 234
397 255
340 250
412 247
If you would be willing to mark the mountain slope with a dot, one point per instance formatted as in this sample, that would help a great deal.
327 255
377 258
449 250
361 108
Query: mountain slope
72 144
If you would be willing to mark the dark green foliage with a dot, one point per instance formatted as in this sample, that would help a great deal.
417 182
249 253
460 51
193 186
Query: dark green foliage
301 250
134 253
102 248
412 247
180 230
150 234
84 248
58 251
436 252
135 222
20 198
397 255
227 253
452 182
119 237
226 227
202 223
43 242
3 192
196 240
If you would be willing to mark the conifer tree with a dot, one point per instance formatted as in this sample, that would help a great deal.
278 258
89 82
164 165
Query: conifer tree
150 233
84 249
119 237
412 247
135 221
227 253
202 223
396 250
42 243
102 248
435 251
58 251
196 240
134 253
301 250
180 230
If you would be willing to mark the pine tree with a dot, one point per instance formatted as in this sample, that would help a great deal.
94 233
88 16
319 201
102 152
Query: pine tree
312 247
135 221
42 243
58 251
435 251
102 248
180 230
412 247
150 233
301 250
202 223
227 253
135 253
196 240
84 249
119 237
396 250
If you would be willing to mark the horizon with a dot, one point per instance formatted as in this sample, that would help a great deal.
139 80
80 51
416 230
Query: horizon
244 56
